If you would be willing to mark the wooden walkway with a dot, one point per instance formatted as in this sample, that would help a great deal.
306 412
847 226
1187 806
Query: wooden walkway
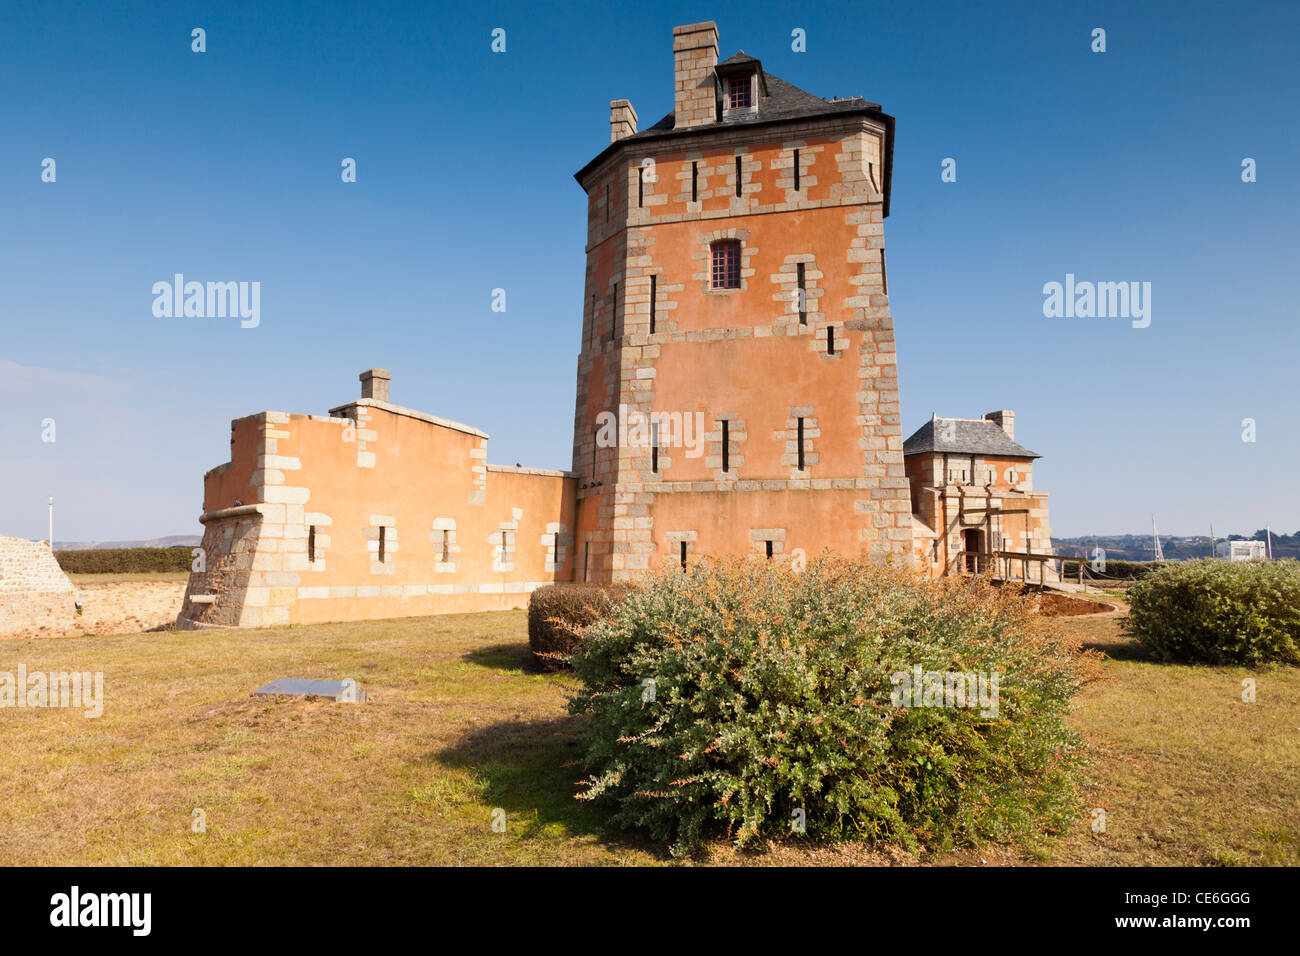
1014 566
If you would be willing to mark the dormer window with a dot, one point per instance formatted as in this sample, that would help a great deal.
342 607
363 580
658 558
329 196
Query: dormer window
740 92
742 86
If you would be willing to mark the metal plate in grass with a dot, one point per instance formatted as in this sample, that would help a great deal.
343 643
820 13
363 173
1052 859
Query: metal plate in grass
341 691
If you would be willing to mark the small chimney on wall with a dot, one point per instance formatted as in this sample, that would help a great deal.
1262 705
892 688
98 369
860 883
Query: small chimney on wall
622 120
695 55
1004 419
374 383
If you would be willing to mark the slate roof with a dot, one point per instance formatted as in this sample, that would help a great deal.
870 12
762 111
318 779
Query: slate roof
740 56
783 102
966 437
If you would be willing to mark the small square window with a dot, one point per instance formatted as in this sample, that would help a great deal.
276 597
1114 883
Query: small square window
726 265
739 96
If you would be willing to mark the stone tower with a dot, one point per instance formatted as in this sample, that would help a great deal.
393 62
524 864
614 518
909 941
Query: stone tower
737 387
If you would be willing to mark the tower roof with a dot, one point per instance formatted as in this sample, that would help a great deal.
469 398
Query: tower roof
782 101
778 102
964 436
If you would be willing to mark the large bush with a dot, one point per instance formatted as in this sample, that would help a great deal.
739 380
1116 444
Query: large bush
557 615
1220 612
771 696
124 560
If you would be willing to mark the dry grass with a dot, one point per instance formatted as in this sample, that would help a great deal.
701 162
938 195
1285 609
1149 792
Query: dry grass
460 725
455 728
1187 772
148 577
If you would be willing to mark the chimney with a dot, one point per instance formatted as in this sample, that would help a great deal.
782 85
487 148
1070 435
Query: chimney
622 120
695 55
374 383
1004 419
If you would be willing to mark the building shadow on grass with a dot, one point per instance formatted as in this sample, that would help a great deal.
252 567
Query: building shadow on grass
530 769
1122 648
513 656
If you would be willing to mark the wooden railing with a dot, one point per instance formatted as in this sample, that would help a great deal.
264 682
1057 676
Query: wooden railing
1001 564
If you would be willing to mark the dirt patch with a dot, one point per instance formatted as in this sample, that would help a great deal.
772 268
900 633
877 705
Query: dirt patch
1056 604
128 606
1060 605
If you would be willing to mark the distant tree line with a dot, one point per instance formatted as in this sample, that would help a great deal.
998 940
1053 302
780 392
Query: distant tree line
1137 547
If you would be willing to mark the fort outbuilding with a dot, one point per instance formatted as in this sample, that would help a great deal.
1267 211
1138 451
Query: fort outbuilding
375 510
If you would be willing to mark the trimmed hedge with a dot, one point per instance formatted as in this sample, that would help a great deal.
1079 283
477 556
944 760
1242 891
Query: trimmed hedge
742 697
557 614
1219 612
125 560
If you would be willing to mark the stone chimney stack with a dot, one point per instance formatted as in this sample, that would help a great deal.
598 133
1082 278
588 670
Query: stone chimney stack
374 383
622 120
695 55
1004 419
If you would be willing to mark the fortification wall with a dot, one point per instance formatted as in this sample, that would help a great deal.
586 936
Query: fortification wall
375 511
35 594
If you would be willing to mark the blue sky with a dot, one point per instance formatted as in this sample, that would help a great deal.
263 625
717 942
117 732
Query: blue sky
1118 166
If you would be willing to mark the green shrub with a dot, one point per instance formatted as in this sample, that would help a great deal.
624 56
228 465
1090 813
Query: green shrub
124 560
772 695
557 614
1219 612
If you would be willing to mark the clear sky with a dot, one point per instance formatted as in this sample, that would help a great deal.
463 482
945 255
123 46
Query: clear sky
1115 166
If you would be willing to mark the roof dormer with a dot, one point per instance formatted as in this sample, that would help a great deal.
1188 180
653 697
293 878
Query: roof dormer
741 86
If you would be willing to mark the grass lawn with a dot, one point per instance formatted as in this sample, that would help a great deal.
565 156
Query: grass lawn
459 725
1187 773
